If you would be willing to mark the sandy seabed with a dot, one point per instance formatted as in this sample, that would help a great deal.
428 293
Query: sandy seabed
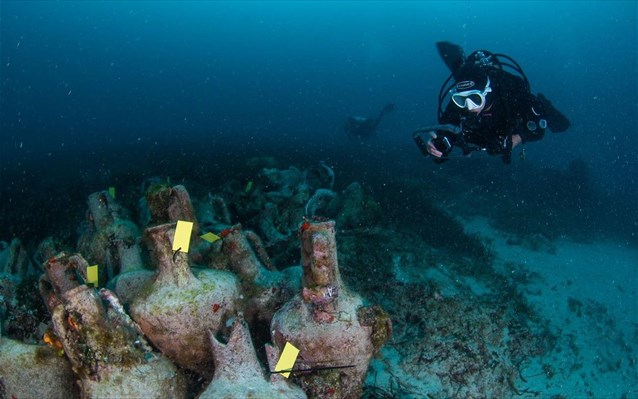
585 294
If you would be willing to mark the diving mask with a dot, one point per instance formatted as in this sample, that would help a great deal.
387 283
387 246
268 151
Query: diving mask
473 100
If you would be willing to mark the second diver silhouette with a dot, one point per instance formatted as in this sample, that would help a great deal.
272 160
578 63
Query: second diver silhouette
359 127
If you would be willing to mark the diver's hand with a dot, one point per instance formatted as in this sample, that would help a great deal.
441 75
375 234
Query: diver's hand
516 140
432 148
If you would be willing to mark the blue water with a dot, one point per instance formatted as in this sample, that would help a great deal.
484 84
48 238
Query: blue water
107 94
93 92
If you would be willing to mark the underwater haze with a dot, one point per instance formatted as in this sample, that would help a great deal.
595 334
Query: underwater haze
115 93
106 89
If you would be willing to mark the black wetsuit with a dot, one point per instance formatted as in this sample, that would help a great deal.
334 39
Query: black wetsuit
508 111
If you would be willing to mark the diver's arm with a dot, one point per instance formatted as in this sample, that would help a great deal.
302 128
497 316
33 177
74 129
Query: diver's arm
450 116
525 107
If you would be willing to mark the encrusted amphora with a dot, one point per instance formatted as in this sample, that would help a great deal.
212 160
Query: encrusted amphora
27 370
110 239
238 373
165 204
107 225
107 350
265 287
335 333
181 306
34 371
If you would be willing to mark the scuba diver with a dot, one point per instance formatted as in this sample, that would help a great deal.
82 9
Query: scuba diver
490 109
360 127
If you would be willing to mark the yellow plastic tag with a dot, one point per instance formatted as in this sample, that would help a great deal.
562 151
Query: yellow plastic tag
249 186
182 238
92 275
112 192
287 359
210 237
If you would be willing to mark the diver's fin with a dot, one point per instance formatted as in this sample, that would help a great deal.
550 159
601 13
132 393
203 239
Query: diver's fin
452 54
556 121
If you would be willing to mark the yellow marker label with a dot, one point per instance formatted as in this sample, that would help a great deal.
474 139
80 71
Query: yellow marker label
210 237
112 192
287 359
249 186
182 238
92 275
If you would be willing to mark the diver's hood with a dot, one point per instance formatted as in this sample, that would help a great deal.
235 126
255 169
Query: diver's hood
470 77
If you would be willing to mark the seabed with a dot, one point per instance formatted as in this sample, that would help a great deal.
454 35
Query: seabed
479 310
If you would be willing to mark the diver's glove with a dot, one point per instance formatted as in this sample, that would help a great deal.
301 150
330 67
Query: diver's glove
443 137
